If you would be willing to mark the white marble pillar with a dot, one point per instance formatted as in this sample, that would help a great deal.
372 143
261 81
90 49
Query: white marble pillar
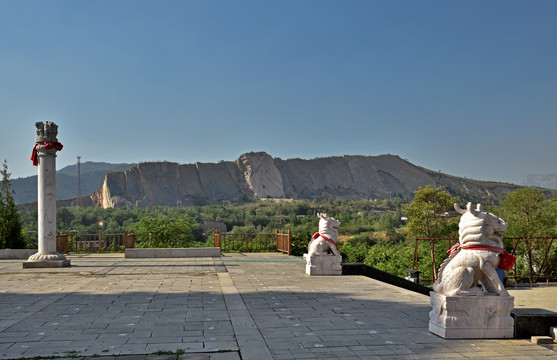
46 147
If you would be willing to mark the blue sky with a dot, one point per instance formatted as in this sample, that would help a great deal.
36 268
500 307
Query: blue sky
465 87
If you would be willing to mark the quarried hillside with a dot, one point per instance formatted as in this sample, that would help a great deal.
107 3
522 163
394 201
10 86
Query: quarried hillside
255 176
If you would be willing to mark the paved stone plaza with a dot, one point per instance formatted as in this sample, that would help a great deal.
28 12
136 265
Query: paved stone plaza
248 306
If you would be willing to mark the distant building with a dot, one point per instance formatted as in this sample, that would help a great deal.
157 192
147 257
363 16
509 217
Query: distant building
214 225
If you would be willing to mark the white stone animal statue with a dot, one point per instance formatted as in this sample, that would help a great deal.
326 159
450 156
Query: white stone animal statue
326 238
479 252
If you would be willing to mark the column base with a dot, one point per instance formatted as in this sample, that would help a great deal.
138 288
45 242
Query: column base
44 256
34 264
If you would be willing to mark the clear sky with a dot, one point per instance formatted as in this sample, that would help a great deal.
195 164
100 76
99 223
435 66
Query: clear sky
465 87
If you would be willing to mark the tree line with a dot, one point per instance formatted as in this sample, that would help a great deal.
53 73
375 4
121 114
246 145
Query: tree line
364 219
11 234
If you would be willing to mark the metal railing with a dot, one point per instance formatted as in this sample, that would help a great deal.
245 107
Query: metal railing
246 242
536 258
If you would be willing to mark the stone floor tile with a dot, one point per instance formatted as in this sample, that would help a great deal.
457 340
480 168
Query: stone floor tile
112 304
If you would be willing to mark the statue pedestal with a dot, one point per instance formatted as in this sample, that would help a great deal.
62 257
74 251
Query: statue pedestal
471 317
323 264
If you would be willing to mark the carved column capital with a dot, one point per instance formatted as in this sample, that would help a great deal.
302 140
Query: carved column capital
46 132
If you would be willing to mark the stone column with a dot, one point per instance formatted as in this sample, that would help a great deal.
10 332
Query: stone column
44 157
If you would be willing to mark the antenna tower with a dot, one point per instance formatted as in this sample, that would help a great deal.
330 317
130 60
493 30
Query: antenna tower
78 180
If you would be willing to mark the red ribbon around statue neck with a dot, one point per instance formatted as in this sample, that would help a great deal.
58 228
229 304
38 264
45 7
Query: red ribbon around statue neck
47 145
507 260
316 235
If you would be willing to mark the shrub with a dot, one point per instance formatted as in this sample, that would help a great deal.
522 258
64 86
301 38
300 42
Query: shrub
354 252
299 243
392 258
164 232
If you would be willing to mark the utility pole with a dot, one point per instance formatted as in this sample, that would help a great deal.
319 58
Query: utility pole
78 202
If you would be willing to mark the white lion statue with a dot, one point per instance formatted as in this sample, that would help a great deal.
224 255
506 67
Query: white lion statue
326 238
479 252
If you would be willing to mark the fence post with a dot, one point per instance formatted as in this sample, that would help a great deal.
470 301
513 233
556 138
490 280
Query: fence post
416 255
546 260
434 272
247 245
100 240
515 267
66 243
216 238
530 259
289 243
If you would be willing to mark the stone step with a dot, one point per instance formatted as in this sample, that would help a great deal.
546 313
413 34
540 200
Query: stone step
541 340
530 322
172 253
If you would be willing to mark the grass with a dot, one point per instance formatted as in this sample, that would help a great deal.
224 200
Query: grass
169 352
68 354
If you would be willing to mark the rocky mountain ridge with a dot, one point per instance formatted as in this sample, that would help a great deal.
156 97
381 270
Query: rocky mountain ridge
257 175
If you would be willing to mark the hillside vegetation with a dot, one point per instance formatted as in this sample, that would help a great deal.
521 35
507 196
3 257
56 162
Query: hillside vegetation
371 231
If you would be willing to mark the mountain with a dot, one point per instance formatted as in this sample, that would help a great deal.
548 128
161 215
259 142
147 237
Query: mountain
92 177
547 181
257 175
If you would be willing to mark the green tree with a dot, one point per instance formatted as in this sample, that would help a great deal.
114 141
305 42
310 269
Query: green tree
10 225
528 213
426 212
389 221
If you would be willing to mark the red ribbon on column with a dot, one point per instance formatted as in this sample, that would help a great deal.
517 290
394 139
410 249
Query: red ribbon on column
47 145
